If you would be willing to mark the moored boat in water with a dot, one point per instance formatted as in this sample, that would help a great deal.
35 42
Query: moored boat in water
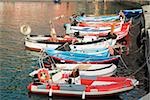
39 42
78 86
134 13
129 13
84 69
76 57
120 31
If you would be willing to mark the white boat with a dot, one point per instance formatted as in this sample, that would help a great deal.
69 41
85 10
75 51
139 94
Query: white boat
120 31
39 42
84 69
93 30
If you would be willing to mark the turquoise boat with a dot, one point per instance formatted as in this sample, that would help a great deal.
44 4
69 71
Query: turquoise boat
76 57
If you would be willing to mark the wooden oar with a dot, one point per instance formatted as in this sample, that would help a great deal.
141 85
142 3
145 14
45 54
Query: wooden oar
53 33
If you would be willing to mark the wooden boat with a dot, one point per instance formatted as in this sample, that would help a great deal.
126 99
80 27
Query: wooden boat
91 31
99 24
75 57
39 42
134 13
86 30
97 18
101 52
74 85
84 69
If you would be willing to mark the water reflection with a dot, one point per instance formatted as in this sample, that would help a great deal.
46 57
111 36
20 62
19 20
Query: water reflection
38 14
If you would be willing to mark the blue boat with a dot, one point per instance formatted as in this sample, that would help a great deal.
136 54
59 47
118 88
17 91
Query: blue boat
135 13
128 13
96 19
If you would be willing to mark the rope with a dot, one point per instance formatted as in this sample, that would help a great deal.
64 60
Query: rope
41 61
53 62
135 24
136 51
139 69
123 62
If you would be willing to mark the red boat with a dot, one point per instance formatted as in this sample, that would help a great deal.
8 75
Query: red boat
120 34
74 85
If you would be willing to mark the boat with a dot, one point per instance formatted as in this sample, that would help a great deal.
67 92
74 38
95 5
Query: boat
74 85
120 31
101 31
97 18
99 24
134 13
84 69
39 42
76 57
104 52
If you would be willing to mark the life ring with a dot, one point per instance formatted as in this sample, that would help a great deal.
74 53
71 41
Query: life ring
25 29
43 75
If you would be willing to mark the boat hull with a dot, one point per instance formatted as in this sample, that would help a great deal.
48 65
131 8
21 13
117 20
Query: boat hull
38 43
85 70
89 87
108 61
75 57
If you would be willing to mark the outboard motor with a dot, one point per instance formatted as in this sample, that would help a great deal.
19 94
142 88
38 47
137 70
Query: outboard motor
64 47
76 34
57 1
69 81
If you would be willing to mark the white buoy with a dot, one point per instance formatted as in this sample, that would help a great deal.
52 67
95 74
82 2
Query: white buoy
83 95
50 92
25 29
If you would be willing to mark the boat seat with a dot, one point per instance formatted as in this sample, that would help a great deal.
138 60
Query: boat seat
76 80
89 38
56 77
72 87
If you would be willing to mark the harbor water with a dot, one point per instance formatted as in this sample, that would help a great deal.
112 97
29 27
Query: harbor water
16 63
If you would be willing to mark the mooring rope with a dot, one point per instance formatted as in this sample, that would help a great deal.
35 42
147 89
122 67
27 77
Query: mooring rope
136 51
135 24
123 62
135 72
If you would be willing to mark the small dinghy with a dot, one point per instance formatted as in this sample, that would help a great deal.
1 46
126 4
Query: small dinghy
119 31
74 85
77 57
84 69
99 24
134 13
97 18
39 42
93 30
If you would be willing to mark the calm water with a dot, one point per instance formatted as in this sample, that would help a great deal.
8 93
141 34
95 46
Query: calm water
16 62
